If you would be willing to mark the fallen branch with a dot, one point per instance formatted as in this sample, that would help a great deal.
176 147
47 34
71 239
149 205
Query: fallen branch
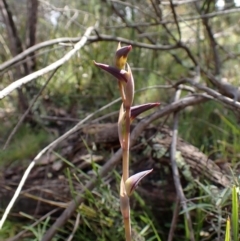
216 95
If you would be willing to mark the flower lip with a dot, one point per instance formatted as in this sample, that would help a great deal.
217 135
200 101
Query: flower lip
120 74
138 109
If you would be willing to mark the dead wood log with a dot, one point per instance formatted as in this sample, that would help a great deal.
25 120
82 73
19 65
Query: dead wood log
47 186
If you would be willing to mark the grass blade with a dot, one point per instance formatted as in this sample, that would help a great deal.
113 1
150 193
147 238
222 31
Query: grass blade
227 234
235 226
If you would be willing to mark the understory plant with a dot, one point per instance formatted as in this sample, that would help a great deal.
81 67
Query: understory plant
233 227
122 72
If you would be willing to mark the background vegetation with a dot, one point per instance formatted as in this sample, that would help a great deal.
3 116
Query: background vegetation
188 43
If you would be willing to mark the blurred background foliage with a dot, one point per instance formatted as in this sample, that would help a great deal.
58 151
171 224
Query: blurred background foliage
79 83
79 88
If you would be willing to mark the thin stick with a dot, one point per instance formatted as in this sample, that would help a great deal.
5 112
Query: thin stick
74 228
175 171
174 220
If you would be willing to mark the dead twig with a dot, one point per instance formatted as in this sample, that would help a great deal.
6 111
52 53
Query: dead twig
32 6
74 228
175 171
211 38
174 220
176 20
226 100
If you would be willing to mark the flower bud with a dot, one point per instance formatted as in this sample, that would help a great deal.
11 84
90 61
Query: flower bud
132 182
121 56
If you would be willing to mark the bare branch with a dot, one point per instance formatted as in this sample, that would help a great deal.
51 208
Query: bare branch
228 101
91 39
53 66
15 46
15 42
212 40
183 19
36 47
176 20
32 27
